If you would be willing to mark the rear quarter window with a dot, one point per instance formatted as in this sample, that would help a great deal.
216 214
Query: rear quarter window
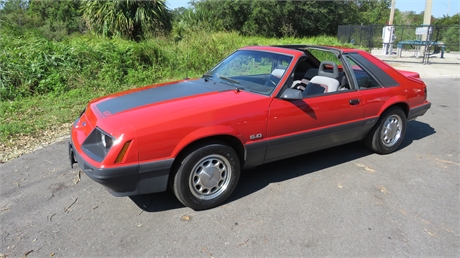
364 79
378 75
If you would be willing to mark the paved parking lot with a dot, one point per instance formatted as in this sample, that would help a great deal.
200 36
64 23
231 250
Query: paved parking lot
344 201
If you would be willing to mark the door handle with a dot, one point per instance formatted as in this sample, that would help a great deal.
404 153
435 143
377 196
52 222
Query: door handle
354 102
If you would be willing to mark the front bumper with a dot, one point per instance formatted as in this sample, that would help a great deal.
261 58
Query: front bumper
143 178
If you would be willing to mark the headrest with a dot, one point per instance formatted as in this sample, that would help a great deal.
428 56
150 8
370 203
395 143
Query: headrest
330 84
278 72
335 70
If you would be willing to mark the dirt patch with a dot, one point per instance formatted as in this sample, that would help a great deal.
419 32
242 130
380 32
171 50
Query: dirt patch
28 143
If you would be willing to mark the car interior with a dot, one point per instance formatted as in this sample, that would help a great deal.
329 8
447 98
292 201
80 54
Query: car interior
327 78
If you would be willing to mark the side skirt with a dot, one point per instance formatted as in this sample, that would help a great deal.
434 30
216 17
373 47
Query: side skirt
306 142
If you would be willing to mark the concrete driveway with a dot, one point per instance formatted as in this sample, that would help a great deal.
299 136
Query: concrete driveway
344 201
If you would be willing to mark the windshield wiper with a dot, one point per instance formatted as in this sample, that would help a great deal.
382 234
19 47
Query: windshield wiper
230 80
233 81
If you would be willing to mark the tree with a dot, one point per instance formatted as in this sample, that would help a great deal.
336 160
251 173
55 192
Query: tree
177 13
58 14
373 11
53 19
449 31
129 19
271 18
9 6
14 16
412 18
448 20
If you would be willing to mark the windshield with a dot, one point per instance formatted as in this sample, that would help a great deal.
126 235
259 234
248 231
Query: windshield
254 71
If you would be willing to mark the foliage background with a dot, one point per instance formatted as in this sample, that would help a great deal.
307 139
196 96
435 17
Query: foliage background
51 47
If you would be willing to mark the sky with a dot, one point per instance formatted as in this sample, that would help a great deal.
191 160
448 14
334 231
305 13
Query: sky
439 7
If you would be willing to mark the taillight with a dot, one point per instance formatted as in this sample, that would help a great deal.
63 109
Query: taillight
426 92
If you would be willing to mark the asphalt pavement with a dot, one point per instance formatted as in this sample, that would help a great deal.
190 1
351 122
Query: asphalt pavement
344 201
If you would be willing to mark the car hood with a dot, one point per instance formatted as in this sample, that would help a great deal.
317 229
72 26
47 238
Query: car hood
156 94
167 103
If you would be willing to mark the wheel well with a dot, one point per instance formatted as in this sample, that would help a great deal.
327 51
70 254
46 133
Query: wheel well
231 141
403 106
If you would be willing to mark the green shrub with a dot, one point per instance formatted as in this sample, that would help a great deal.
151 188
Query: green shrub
32 65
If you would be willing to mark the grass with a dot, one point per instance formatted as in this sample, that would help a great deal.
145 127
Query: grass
45 84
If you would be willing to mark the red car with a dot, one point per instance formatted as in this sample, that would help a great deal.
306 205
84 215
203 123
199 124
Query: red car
258 105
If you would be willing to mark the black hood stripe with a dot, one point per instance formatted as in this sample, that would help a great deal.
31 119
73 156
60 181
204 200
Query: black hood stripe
151 96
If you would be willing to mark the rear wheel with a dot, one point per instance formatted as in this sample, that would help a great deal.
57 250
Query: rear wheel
206 176
388 133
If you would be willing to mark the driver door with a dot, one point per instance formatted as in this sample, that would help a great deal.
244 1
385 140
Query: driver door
313 123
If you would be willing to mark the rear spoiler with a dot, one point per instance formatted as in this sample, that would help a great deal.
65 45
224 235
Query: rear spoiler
410 74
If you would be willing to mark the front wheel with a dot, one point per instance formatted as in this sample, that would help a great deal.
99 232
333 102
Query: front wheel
388 133
206 176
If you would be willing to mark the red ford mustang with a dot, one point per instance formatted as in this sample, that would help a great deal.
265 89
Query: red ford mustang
259 105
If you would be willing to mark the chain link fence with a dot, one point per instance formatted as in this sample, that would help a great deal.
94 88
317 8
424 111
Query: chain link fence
440 39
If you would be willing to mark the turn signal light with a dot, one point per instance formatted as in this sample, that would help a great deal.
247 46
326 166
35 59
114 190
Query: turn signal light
123 151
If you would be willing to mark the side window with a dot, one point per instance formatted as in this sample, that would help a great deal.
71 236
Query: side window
364 79
320 79
322 55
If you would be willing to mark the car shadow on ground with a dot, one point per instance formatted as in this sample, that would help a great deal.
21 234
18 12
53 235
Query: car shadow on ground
157 202
256 179
415 131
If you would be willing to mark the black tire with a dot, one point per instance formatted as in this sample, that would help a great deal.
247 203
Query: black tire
388 133
206 176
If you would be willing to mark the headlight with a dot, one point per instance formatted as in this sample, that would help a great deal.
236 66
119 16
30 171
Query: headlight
103 140
97 144
106 140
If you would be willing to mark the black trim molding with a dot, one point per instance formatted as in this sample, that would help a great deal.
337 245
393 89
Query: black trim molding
418 111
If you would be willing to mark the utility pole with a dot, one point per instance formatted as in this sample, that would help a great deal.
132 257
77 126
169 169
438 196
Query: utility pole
427 14
426 22
392 12
388 32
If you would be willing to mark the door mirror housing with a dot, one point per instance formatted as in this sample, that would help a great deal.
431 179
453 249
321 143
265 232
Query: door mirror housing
291 94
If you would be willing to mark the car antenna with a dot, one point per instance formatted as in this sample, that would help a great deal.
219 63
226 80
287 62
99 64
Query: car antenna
186 60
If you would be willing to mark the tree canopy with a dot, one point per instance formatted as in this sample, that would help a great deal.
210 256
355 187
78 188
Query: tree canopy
128 18
136 19
271 18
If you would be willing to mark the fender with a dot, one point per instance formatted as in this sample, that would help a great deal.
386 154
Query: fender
124 134
205 132
393 101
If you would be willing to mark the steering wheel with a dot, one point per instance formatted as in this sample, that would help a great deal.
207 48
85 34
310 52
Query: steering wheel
299 86
273 81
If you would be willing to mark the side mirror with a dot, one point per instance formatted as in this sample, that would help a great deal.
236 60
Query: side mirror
291 94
